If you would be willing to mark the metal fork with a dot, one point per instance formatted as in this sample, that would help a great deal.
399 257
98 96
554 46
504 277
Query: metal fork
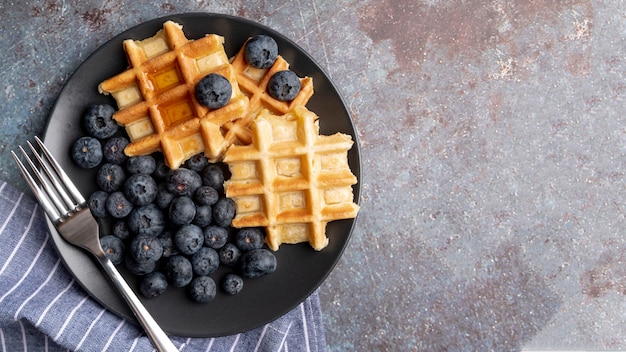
68 211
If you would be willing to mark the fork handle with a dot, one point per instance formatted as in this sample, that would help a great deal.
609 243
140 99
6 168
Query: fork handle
159 339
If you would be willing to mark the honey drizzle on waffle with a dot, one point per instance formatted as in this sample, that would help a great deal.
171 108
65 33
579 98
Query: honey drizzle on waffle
291 180
156 96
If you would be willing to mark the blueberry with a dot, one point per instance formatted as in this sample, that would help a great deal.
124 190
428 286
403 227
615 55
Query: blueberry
147 219
232 283
183 181
167 241
178 270
229 254
249 238
118 206
213 176
113 248
261 51
206 195
98 121
182 210
121 230
97 203
140 189
86 152
205 261
161 170
189 239
164 197
284 85
257 262
143 164
139 268
113 150
215 236
146 248
197 162
204 215
110 177
153 284
202 289
214 91
223 212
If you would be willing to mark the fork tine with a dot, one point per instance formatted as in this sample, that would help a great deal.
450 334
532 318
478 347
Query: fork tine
45 184
55 180
41 196
67 182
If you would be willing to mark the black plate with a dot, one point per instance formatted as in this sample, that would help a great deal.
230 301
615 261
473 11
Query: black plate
300 269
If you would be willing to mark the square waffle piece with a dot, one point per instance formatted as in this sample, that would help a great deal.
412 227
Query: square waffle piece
253 83
291 180
156 96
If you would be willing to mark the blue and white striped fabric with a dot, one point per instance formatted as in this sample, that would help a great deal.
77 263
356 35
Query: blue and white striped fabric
42 308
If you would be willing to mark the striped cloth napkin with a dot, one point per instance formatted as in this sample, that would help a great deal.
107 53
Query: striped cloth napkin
42 307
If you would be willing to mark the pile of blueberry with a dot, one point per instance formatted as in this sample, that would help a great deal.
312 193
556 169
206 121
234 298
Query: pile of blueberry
171 227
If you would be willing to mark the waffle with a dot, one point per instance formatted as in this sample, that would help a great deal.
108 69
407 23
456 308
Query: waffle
291 180
253 83
156 96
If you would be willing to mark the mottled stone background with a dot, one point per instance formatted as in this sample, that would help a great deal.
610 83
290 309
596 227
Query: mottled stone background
493 140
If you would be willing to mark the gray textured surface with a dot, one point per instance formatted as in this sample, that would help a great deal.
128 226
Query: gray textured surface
494 150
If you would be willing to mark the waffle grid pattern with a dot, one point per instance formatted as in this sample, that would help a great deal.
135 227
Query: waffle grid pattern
253 83
291 180
156 96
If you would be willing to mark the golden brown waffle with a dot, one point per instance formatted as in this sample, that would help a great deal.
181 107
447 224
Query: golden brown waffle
253 83
156 96
291 180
